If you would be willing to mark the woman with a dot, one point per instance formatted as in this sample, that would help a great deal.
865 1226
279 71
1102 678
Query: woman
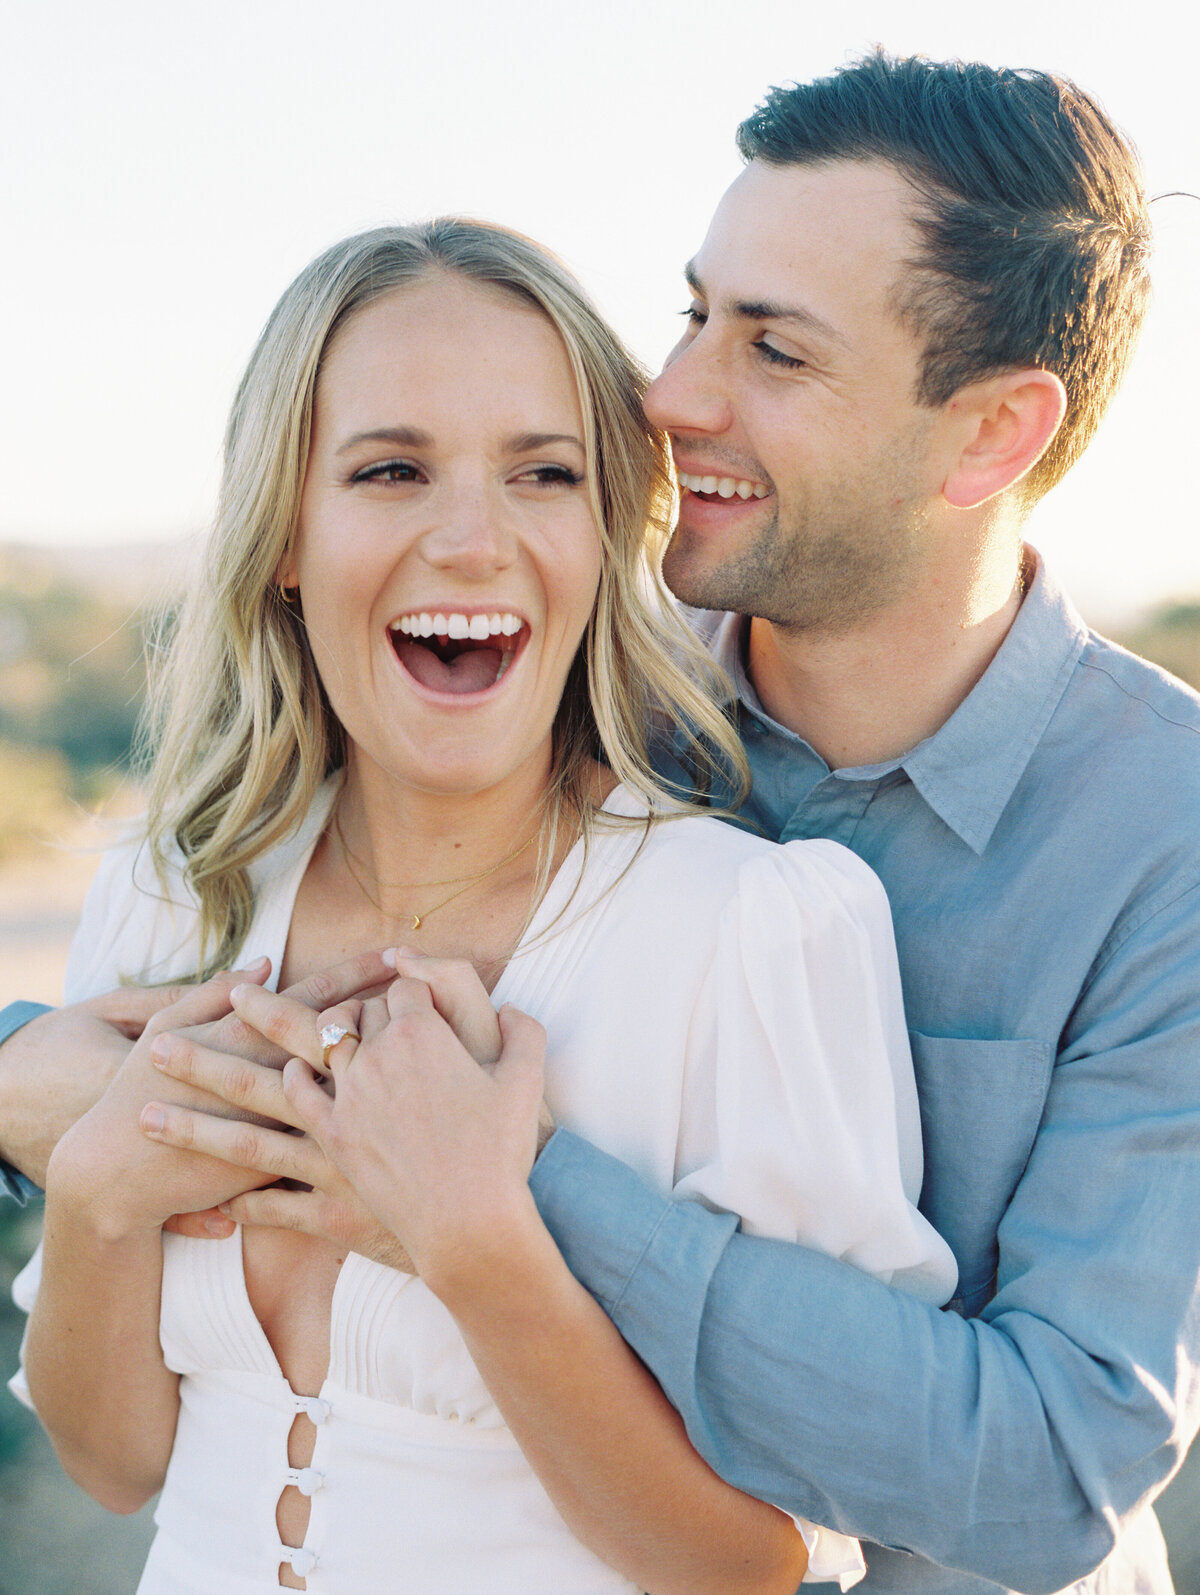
409 697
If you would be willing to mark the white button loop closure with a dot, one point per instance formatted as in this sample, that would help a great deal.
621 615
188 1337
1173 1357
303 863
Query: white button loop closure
313 1408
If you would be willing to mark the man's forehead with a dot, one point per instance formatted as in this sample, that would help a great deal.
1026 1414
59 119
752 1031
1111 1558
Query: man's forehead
784 231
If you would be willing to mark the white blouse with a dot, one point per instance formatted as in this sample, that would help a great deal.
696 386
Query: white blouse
722 1014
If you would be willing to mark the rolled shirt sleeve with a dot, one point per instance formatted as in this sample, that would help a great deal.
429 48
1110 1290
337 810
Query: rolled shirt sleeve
1015 1445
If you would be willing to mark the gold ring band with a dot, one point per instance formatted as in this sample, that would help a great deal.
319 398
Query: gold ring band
330 1036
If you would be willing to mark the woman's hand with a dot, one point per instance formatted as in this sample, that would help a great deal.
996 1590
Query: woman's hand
104 1166
437 1147
331 1208
327 1206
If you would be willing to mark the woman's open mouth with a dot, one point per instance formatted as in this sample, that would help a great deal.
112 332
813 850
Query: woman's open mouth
455 652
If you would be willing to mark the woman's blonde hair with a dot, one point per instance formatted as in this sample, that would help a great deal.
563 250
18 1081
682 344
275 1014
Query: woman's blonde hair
239 730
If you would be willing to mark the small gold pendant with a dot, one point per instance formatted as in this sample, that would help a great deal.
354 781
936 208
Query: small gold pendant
416 924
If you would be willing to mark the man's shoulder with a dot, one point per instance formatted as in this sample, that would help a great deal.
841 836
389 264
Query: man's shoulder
1153 702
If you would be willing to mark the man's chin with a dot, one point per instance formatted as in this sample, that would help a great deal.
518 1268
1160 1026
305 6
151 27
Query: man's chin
694 581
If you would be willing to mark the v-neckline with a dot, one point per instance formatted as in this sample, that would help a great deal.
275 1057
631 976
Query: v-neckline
604 862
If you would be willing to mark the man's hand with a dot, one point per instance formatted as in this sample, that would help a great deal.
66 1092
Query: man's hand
59 1065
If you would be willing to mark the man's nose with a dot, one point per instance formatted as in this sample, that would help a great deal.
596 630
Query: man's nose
472 535
692 393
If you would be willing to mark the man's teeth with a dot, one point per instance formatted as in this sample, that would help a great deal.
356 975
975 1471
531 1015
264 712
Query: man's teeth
478 628
726 486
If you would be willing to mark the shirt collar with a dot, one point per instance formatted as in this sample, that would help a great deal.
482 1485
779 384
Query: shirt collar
969 768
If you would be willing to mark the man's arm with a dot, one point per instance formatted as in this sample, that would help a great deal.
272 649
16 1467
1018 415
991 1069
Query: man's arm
1012 1445
56 1063
12 1182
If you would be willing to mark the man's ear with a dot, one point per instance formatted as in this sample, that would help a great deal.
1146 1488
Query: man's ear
1006 424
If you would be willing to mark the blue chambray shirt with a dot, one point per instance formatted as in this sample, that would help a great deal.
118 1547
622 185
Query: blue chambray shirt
1042 856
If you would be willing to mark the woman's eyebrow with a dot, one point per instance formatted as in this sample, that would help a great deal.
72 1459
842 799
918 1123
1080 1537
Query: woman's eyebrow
406 437
524 441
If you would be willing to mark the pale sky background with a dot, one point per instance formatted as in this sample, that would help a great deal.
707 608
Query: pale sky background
167 169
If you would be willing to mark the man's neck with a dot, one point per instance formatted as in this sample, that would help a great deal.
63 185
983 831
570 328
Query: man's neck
868 695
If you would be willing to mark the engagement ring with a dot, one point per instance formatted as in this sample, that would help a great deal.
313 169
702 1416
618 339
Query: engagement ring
330 1036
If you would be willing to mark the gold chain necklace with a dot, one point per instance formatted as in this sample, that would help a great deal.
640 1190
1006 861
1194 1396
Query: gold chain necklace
419 919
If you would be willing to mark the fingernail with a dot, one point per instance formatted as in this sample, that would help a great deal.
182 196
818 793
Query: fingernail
408 952
223 1207
217 1226
238 992
259 963
153 1120
160 1050
388 957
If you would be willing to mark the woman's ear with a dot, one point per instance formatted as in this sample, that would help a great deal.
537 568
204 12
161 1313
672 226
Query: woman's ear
1007 424
286 579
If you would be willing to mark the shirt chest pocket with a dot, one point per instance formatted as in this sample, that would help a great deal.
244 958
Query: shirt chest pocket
981 1104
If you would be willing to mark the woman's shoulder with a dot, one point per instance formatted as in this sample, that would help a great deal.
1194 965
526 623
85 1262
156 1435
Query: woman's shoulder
731 858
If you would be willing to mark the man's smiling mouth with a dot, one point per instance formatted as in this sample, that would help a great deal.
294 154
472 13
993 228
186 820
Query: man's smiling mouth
451 651
721 486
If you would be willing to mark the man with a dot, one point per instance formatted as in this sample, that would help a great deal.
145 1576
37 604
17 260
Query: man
907 317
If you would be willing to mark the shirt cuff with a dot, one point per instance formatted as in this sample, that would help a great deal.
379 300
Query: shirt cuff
12 1182
606 1220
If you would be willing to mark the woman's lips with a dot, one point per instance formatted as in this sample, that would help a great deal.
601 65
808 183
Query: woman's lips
454 653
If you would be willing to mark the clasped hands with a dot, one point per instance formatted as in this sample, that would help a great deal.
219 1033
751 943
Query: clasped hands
405 1141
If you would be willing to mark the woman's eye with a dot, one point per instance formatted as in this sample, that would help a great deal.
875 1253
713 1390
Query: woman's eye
551 476
388 471
694 315
776 357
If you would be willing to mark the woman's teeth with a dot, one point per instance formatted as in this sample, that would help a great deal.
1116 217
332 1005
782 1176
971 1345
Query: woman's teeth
724 486
478 628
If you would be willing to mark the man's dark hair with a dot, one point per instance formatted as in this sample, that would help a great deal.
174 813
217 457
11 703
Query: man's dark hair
1032 215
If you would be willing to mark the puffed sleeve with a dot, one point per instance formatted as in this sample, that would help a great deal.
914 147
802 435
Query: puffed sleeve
800 1107
127 913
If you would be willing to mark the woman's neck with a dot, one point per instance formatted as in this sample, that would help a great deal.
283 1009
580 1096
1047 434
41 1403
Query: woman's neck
402 834
449 875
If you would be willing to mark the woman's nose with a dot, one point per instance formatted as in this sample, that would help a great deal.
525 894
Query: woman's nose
472 536
692 393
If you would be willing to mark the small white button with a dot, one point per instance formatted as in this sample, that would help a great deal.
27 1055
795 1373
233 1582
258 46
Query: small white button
314 1409
302 1561
309 1481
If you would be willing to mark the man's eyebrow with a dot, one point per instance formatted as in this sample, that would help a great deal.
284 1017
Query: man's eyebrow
405 437
770 310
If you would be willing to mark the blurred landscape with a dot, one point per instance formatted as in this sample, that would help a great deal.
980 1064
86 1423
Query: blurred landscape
73 629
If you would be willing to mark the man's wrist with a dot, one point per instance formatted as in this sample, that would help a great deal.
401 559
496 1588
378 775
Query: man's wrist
18 1014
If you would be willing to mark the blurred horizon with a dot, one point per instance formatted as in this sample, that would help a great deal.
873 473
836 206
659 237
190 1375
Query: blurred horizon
167 171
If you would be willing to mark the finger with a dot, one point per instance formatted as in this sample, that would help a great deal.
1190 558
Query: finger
130 1009
290 1024
460 997
233 1141
364 974
522 1059
338 1034
408 997
207 1226
277 1208
202 1004
309 1105
252 1089
374 1018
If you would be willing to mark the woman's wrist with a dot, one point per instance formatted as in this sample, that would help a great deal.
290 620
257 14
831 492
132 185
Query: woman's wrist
503 1262
97 1200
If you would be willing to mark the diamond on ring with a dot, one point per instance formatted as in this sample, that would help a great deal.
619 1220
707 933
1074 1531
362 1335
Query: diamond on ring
330 1036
